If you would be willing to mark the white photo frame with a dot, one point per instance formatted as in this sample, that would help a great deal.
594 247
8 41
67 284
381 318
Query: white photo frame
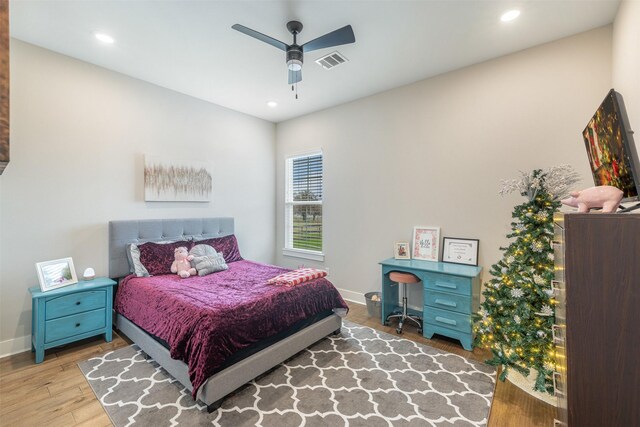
401 250
460 251
56 274
426 243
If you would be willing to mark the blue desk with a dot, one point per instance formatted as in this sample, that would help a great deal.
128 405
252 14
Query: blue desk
451 294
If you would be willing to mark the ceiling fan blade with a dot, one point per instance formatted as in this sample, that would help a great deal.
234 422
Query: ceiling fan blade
338 37
295 76
248 31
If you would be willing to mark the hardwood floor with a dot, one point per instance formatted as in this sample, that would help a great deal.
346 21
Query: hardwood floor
55 393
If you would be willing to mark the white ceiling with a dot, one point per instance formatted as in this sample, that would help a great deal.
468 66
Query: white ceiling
189 46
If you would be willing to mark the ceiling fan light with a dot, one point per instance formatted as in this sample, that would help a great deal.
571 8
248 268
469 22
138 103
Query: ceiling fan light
294 65
104 38
510 15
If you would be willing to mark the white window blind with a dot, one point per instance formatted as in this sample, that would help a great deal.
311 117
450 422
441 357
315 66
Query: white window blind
303 203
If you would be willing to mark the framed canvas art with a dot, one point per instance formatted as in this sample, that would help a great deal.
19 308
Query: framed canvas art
170 180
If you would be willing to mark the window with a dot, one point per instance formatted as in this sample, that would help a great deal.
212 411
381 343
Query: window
303 207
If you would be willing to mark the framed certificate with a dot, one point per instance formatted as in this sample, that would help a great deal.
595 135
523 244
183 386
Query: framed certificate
426 243
460 251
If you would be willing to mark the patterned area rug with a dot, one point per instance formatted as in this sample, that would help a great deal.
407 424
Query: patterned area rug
361 377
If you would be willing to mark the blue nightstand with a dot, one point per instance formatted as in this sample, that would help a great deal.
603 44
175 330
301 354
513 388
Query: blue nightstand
70 314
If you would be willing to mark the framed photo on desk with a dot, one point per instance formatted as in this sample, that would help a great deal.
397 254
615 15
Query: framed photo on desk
401 250
460 251
426 243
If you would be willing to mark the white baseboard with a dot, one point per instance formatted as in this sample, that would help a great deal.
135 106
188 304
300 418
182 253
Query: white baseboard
351 296
14 346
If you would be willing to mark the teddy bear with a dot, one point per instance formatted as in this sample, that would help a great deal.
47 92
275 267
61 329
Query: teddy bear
182 263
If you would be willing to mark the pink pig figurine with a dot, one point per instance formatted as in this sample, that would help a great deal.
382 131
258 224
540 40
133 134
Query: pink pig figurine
604 196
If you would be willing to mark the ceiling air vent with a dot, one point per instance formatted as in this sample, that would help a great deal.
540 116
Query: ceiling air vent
331 60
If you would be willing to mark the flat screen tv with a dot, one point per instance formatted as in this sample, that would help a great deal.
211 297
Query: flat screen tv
612 152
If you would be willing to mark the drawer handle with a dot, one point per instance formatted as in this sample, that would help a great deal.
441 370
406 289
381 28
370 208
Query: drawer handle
558 423
557 334
446 302
446 285
77 325
556 383
77 302
445 320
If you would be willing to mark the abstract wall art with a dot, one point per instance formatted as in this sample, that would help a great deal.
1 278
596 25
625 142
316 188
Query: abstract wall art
171 180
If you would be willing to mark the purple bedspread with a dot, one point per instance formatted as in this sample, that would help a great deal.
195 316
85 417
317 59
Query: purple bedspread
207 319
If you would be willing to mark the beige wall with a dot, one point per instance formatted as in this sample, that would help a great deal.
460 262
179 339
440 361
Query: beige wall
78 136
434 152
626 60
431 153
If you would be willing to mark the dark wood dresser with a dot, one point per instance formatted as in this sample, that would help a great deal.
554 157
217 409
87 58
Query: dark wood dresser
597 335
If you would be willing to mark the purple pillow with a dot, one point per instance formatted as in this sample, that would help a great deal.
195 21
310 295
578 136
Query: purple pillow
228 245
158 257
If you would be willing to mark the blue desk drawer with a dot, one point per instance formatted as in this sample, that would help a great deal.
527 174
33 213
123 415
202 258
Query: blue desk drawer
75 303
448 319
65 327
448 283
447 301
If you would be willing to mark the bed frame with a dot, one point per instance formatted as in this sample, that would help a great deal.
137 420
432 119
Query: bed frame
213 391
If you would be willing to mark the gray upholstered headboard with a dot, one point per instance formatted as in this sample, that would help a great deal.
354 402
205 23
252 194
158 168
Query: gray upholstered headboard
122 233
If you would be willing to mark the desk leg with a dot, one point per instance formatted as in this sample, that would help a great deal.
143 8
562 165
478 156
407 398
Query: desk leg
389 297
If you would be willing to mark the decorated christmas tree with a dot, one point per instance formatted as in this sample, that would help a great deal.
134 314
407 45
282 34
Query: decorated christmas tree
515 319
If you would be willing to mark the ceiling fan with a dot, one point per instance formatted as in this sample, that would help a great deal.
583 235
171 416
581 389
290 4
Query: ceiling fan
294 52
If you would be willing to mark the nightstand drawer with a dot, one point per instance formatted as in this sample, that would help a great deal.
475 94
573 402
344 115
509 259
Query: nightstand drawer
65 327
448 283
447 301
448 319
75 303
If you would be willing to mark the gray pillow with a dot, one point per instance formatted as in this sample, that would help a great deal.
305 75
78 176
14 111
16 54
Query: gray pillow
206 260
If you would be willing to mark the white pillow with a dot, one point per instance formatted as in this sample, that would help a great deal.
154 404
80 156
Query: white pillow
135 266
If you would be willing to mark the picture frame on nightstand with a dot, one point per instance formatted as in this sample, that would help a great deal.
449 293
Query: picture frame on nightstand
56 274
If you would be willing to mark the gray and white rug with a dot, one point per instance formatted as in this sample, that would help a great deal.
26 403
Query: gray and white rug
361 377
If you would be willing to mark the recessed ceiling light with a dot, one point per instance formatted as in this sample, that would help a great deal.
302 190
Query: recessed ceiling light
510 15
105 38
272 104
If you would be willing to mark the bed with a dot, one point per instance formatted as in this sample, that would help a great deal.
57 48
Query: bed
237 326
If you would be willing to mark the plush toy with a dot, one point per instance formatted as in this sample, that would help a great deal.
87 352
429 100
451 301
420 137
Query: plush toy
182 263
604 196
206 260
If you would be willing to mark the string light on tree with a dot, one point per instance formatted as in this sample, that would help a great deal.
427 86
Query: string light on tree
520 326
